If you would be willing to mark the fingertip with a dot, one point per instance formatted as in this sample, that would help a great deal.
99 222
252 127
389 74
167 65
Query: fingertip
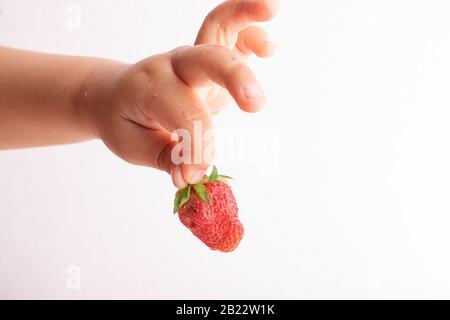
253 98
268 9
249 96
253 106
275 7
252 91
193 174
177 178
268 50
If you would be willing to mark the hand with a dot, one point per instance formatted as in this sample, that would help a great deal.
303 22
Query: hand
135 108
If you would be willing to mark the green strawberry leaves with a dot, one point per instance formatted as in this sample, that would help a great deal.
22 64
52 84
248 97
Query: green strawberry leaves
222 179
182 196
214 175
201 192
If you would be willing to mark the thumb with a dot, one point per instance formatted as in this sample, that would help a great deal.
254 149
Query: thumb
140 145
144 146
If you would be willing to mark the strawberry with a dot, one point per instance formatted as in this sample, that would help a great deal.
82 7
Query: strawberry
210 211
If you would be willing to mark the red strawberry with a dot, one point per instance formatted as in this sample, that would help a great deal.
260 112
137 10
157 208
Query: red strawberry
210 211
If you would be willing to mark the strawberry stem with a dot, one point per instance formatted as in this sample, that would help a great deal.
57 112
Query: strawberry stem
182 196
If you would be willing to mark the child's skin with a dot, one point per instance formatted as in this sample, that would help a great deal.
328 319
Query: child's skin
50 99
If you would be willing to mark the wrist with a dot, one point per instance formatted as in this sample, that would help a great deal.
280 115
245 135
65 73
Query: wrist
93 95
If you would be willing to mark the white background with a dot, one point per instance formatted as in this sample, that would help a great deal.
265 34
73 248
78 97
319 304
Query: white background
357 207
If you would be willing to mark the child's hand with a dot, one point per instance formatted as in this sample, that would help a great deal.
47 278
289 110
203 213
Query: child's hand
48 99
135 108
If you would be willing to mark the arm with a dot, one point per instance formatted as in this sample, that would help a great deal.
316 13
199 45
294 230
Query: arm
40 95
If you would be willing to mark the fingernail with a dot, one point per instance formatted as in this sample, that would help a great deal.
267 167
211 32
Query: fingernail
267 40
197 176
253 91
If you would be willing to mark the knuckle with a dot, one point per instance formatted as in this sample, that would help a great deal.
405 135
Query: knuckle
238 69
180 48
178 55
157 65
212 18
227 56
179 51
